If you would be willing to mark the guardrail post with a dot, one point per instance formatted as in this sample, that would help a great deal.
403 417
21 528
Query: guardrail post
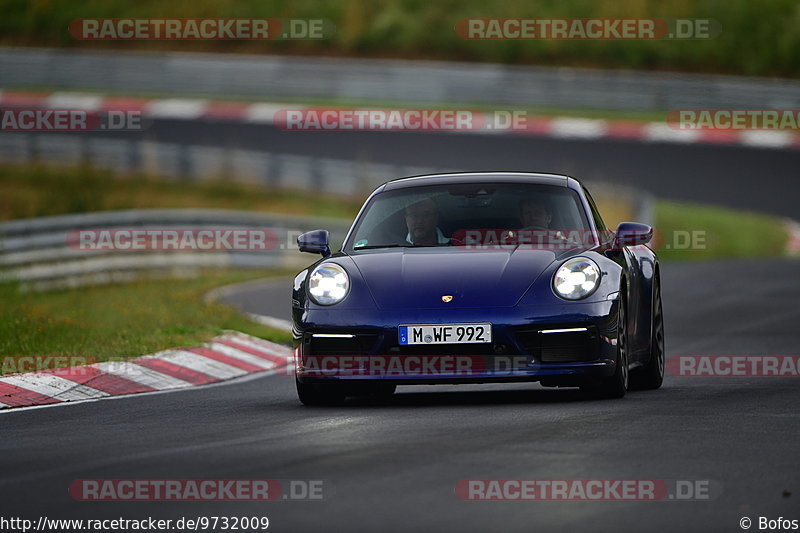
317 175
32 147
86 151
274 169
184 163
134 157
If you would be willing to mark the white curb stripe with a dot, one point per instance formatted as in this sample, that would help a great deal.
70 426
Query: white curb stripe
202 364
176 108
578 128
74 101
242 356
657 131
770 139
261 345
277 323
142 375
265 113
54 386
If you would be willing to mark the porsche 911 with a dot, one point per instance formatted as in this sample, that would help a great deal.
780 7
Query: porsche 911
478 278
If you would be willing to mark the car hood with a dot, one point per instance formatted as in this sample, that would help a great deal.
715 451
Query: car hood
416 278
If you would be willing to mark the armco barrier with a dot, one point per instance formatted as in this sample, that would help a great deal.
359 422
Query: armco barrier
36 252
182 161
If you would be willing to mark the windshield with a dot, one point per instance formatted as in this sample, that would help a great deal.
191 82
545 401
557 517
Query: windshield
472 214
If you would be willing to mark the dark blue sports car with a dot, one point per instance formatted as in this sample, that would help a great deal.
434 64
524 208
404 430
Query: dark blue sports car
478 278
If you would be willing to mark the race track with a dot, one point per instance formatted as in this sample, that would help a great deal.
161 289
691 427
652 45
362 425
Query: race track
759 179
394 466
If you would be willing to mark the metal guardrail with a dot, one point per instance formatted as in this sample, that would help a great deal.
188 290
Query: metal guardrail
413 82
37 252
188 162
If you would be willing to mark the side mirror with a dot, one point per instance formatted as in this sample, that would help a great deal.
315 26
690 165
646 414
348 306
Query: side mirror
632 234
315 242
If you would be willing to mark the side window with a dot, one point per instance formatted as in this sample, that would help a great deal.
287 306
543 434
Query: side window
598 220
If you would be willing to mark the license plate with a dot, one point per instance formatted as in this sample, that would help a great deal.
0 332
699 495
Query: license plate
445 334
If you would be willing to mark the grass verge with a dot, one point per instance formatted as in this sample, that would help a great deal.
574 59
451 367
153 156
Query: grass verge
123 321
43 191
700 232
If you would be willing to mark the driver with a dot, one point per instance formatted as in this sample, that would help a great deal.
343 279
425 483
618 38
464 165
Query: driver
422 219
534 213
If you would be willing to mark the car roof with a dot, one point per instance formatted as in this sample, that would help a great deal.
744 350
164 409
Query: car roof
478 177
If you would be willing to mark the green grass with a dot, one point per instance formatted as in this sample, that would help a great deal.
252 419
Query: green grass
122 321
758 38
699 232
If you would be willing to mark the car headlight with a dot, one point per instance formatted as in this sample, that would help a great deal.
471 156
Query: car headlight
328 284
577 278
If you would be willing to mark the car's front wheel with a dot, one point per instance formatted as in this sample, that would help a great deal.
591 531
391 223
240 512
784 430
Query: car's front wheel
320 394
652 375
616 385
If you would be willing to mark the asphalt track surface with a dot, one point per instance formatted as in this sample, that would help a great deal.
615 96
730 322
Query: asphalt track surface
760 179
393 466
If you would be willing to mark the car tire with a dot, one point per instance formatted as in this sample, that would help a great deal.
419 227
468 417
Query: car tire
616 385
651 375
320 394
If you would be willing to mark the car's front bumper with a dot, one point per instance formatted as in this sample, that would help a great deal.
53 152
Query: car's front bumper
565 344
